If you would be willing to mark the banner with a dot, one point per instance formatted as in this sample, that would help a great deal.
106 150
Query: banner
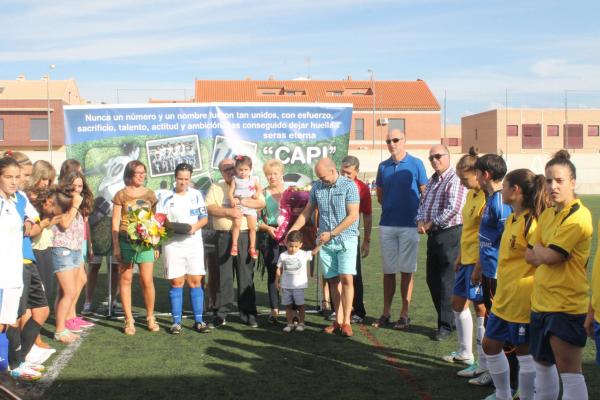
105 138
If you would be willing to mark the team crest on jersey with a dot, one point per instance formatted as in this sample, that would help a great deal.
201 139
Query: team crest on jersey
472 210
513 241
522 331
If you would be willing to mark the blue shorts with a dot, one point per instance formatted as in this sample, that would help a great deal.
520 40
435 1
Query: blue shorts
64 259
504 331
567 327
463 287
597 337
339 258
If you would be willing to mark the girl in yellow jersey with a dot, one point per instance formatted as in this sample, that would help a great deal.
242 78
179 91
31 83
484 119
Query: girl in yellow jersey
559 250
509 320
592 322
464 291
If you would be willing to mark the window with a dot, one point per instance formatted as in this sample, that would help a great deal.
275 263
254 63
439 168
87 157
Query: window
357 92
294 93
512 130
552 130
335 93
453 141
359 129
593 130
396 123
573 136
1 129
38 129
532 136
269 91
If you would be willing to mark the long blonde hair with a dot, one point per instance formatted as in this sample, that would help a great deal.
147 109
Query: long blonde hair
42 170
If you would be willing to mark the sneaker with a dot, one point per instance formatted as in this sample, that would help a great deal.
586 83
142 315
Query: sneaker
300 327
84 323
73 326
471 371
35 366
201 327
484 379
87 309
175 329
38 355
357 319
454 357
272 320
24 373
252 321
217 322
331 316
288 328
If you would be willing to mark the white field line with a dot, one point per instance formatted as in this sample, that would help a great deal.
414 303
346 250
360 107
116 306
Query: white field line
60 362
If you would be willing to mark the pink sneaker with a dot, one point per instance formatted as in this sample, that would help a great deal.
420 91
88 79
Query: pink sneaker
73 325
83 323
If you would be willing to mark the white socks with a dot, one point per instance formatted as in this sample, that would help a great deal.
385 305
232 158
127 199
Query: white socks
500 371
526 377
464 332
574 387
546 382
480 334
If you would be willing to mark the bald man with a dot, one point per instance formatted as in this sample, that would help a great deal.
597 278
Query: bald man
439 216
336 197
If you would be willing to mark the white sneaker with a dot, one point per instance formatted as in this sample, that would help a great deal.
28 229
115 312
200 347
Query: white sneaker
39 355
25 373
484 379
300 327
472 371
454 357
289 328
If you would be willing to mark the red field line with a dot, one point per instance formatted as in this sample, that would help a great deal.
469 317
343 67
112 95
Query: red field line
393 361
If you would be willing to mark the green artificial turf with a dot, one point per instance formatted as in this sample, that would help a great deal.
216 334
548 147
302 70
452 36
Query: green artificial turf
238 362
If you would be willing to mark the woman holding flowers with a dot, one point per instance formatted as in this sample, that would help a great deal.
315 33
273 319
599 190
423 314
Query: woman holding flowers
135 200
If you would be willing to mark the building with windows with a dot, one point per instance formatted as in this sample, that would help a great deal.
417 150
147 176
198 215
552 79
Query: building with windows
24 108
532 131
377 105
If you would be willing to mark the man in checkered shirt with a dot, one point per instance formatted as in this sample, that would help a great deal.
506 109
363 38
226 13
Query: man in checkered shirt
336 197
439 216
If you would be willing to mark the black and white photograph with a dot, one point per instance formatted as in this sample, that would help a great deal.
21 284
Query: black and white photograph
165 154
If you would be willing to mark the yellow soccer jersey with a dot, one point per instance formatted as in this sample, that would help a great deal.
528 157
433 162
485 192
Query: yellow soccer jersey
563 287
471 213
512 301
596 283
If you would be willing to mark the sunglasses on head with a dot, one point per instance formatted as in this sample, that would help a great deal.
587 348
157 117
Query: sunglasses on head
436 156
395 140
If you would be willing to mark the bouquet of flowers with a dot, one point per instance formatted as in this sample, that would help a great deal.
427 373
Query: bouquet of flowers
146 230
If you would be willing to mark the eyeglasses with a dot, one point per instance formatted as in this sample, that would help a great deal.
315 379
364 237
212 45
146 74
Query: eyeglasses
227 169
395 140
437 156
140 173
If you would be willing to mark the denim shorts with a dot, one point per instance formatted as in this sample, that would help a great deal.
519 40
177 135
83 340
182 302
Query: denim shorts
64 259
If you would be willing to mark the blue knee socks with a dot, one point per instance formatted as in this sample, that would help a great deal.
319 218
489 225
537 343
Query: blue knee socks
197 296
176 297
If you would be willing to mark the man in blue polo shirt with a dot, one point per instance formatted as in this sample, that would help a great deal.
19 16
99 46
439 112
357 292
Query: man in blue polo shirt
336 198
400 181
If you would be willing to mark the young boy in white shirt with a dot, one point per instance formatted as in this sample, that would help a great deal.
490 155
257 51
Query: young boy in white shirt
292 278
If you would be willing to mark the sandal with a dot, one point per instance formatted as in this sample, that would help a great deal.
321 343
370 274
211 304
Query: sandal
65 336
129 327
253 253
402 324
234 250
152 325
381 322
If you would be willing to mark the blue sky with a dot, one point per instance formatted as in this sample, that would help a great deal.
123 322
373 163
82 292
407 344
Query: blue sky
472 50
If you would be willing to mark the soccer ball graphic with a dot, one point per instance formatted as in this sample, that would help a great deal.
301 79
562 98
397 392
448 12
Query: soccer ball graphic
295 179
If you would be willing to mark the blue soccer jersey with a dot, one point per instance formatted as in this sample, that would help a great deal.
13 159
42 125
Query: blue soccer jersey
490 233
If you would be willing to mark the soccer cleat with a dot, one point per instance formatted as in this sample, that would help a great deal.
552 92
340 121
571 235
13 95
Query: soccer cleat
24 373
471 371
454 357
484 379
201 327
175 329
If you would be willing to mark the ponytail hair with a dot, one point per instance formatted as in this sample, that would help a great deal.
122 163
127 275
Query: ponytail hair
562 157
533 187
468 161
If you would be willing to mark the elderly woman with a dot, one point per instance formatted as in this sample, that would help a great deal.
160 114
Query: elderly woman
273 170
